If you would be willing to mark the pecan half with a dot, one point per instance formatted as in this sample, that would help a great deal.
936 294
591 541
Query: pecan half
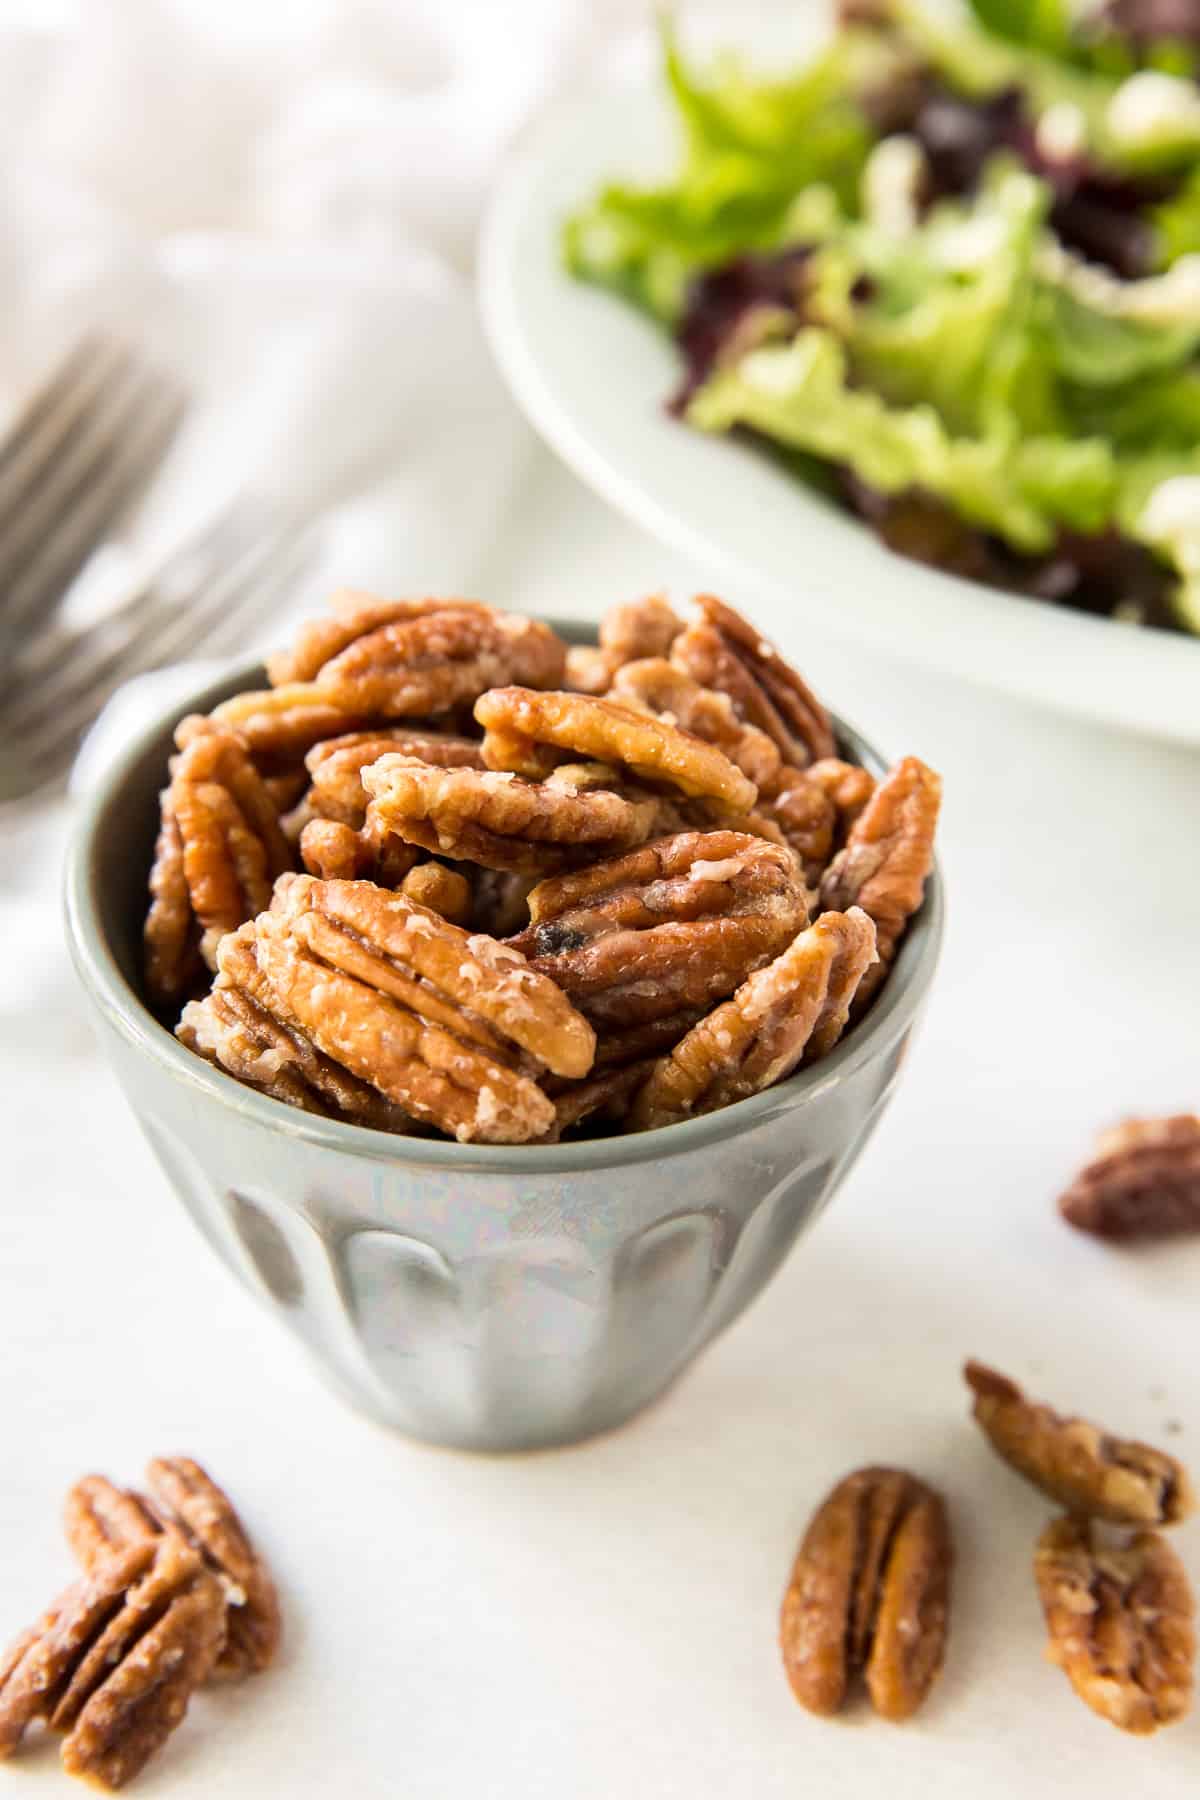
453 1027
240 1028
404 659
795 1009
188 1499
500 821
803 814
221 838
604 1097
173 964
335 766
655 685
1143 1182
444 891
287 721
633 629
527 733
1078 1463
116 1660
869 1593
678 923
1119 1622
887 856
847 785
725 652
186 1504
337 852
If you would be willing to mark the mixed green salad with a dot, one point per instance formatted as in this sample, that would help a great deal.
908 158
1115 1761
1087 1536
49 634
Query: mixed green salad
950 271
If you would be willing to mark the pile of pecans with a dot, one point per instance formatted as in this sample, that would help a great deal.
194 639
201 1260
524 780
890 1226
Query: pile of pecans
448 874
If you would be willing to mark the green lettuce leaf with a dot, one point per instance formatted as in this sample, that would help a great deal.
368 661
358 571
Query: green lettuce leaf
954 315
1176 222
1100 349
1158 504
1040 24
751 147
1152 414
798 395
977 62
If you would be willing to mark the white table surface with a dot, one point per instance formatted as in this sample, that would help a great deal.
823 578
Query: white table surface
600 1623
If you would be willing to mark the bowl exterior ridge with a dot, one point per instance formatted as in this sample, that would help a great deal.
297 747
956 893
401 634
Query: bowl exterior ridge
481 1298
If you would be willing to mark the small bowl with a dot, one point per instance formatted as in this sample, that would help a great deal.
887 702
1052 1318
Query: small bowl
487 1298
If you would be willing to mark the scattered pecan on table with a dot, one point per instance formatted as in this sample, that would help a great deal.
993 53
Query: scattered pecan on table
640 828
1078 1463
1143 1181
1119 1621
115 1661
869 1594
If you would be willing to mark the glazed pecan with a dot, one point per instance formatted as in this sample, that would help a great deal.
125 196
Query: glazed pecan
337 852
604 1097
503 822
116 1660
869 1592
648 1039
725 652
1143 1182
846 785
453 1027
887 856
803 814
444 891
677 923
173 964
1078 1463
407 659
634 629
1119 1623
240 1028
656 686
221 835
335 766
185 1504
528 733
795 1009
287 721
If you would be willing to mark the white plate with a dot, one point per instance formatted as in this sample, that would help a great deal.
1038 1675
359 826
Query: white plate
592 374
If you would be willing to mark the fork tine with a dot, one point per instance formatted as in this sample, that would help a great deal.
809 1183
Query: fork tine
80 368
96 368
55 562
177 603
48 494
48 734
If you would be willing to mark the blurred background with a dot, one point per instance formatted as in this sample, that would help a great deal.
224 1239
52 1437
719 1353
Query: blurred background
251 228
279 204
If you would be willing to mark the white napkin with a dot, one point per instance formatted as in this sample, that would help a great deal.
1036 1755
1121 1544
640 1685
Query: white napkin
282 202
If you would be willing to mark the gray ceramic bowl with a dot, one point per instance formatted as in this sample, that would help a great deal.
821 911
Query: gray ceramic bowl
492 1299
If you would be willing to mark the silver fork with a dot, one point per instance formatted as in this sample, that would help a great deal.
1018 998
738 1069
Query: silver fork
79 452
208 592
